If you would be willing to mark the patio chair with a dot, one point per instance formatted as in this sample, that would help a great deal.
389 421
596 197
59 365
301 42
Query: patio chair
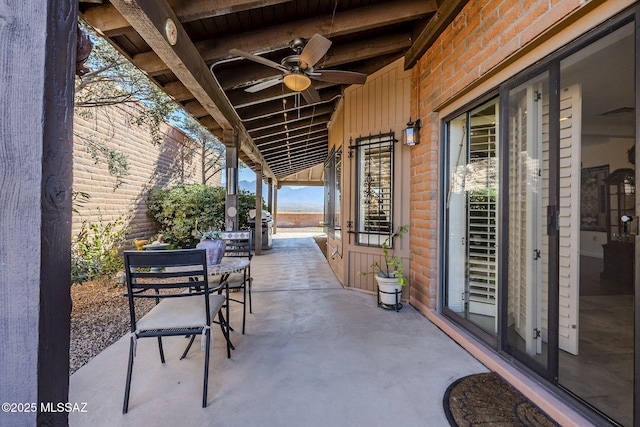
178 281
239 245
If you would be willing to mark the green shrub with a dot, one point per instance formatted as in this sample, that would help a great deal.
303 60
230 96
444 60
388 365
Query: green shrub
95 250
177 209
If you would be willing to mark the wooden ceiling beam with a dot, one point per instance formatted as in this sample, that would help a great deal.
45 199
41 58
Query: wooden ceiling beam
293 181
148 19
307 116
177 91
278 127
311 139
196 109
279 36
436 25
291 166
209 123
301 159
299 152
241 99
310 151
287 168
311 128
275 106
111 23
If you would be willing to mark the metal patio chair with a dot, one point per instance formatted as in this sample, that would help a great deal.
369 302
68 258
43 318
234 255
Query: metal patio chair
185 306
239 245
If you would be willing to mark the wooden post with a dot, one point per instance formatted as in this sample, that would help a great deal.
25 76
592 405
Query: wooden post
36 160
230 140
274 213
258 229
270 195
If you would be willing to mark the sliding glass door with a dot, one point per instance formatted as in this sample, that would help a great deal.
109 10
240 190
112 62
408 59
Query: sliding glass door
540 220
570 274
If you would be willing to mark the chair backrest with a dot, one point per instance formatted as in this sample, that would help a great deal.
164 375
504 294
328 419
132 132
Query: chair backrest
165 274
238 243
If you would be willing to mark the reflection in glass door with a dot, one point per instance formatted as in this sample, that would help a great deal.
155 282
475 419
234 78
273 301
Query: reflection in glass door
472 217
597 115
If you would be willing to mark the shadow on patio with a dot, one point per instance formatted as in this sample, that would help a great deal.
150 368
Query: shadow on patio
313 354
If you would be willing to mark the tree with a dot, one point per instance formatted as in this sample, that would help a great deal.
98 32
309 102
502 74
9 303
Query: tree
212 155
110 79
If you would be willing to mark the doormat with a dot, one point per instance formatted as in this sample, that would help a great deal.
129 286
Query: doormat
487 400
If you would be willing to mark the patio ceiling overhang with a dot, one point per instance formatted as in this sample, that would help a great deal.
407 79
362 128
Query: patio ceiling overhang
277 129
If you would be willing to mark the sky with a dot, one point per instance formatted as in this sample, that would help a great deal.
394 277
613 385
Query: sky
245 174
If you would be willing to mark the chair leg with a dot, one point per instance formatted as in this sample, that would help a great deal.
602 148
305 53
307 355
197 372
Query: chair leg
250 306
244 306
186 350
127 388
160 348
225 331
207 333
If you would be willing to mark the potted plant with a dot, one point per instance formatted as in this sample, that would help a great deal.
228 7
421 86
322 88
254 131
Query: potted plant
140 243
215 247
389 274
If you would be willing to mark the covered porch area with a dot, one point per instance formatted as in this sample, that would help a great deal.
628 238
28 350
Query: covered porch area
314 353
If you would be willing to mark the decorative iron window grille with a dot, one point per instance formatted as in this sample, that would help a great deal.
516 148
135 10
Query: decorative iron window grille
374 188
332 193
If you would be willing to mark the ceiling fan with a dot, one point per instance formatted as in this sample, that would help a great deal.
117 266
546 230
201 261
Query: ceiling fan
298 69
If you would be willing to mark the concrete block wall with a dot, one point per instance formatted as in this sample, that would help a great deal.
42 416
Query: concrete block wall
483 37
299 219
175 160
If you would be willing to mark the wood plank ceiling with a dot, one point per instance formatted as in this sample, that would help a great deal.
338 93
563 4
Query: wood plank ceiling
276 127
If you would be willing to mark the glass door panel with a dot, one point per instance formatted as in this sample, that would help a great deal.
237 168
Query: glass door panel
472 217
596 325
528 255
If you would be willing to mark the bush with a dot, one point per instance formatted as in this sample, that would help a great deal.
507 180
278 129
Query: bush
177 209
95 250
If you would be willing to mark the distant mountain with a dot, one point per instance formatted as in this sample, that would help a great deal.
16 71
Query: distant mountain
299 199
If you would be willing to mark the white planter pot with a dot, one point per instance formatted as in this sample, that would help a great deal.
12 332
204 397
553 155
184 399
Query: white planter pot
388 287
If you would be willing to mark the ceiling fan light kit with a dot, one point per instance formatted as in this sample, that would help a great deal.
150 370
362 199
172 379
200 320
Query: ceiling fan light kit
297 82
298 69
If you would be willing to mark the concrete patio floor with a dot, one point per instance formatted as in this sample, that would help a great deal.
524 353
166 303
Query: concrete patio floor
314 354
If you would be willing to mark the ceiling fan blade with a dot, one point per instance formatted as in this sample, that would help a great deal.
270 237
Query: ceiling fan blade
258 59
311 95
339 76
263 85
315 49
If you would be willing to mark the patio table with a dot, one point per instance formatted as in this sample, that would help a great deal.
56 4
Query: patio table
227 266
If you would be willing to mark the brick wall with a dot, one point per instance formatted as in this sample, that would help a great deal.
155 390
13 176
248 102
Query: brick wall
176 159
484 36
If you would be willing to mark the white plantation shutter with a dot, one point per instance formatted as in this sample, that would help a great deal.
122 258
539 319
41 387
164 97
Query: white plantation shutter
481 183
569 256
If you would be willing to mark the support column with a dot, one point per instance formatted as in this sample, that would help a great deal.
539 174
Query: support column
230 140
270 195
258 229
36 186
274 213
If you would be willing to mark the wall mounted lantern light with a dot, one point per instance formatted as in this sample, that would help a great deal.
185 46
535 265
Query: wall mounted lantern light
412 133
